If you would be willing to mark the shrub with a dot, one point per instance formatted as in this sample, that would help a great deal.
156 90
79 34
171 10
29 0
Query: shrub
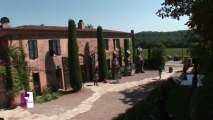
158 56
47 95
40 99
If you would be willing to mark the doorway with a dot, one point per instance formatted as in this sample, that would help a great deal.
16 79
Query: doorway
59 78
66 73
37 86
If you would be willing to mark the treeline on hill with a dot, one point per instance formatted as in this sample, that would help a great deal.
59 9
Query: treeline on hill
175 39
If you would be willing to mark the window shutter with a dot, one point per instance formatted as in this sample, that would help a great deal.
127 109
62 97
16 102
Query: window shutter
30 46
54 46
50 45
51 51
35 49
58 50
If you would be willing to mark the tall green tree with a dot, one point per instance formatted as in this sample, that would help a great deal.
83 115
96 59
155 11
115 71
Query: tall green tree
120 56
126 45
133 45
73 58
101 55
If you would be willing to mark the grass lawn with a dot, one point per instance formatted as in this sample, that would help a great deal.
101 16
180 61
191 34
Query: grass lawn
169 52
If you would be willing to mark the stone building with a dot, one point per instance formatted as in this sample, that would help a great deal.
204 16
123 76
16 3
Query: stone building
46 49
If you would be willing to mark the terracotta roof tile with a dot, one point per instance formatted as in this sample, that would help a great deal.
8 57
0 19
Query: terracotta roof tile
57 28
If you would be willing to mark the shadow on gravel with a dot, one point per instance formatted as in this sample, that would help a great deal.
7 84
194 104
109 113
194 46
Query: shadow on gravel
136 94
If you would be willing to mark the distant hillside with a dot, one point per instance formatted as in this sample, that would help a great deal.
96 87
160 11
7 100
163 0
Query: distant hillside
176 39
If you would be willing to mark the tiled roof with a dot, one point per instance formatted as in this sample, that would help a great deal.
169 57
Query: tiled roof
55 28
59 31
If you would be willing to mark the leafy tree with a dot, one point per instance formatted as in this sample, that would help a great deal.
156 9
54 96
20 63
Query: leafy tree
73 59
133 45
101 55
200 20
15 72
199 12
175 39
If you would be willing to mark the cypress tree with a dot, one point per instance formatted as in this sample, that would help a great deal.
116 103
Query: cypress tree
73 60
120 57
101 55
133 45
126 45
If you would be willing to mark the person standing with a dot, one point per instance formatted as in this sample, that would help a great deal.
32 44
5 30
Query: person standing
95 77
160 72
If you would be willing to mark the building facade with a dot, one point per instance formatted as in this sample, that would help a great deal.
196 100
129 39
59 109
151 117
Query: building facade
46 49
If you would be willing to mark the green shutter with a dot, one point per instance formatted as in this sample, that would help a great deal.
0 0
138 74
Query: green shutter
50 45
51 49
58 49
30 48
35 49
54 45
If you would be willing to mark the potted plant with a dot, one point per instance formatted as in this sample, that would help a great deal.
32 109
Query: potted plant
12 97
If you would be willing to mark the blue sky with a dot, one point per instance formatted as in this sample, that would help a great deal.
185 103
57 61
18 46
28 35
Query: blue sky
122 15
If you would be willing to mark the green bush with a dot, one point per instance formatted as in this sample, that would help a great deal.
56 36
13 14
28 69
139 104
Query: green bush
39 99
56 95
47 95
158 56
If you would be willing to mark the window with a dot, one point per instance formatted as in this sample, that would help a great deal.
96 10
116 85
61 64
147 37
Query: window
106 41
116 43
54 47
33 50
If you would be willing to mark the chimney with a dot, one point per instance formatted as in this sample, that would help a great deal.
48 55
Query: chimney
81 24
5 22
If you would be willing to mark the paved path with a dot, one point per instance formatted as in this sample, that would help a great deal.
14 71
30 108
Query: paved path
91 106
